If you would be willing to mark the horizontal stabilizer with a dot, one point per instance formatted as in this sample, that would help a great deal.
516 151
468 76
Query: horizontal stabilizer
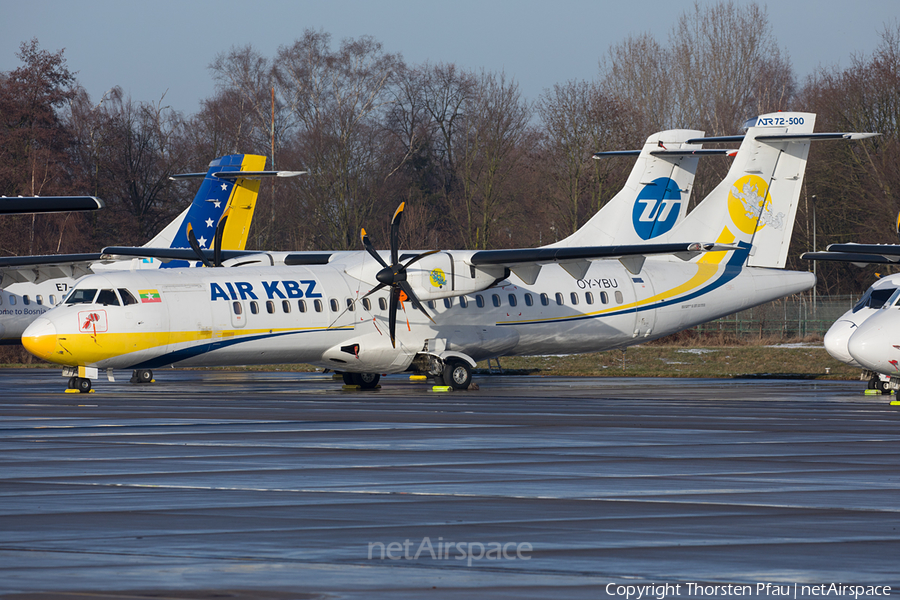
167 254
884 249
851 257
240 175
17 205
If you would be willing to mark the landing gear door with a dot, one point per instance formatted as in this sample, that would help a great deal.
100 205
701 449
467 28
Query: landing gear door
645 312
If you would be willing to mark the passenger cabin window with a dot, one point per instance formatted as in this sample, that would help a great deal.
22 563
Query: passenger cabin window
382 304
237 308
254 307
367 304
12 300
545 299
431 304
40 300
351 306
107 298
529 301
589 297
619 298
127 297
448 302
78 296
495 299
559 299
574 297
270 307
464 302
479 301
301 305
285 306
319 306
512 300
26 300
334 305
52 299
604 298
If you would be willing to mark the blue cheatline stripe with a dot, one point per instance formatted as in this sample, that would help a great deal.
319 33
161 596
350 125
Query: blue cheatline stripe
197 350
733 268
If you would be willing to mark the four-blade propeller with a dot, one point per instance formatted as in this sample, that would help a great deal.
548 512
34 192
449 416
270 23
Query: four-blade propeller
394 275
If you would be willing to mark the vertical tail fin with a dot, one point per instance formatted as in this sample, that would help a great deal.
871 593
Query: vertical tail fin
655 196
213 197
217 192
755 205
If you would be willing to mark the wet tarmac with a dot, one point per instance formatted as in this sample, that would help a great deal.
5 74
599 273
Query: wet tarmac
214 484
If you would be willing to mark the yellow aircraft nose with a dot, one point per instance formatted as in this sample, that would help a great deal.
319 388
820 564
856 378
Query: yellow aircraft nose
39 338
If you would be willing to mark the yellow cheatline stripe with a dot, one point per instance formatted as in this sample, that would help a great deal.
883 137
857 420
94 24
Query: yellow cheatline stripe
242 204
704 273
94 348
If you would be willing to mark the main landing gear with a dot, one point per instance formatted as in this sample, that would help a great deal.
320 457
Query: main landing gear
364 381
457 374
879 384
141 376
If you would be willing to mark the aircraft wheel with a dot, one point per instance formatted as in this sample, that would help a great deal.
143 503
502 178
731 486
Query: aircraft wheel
873 383
349 378
73 384
457 374
884 386
367 381
143 375
83 384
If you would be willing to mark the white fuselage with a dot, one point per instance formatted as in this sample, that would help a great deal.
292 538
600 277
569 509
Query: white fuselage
299 314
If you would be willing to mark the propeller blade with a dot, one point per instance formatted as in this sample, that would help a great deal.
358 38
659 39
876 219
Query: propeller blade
407 289
371 249
392 315
419 257
395 233
195 246
375 289
220 231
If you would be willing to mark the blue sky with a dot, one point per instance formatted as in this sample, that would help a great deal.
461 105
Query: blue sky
161 47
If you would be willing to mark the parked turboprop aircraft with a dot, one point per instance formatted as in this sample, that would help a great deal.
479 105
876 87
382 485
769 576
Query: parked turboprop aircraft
33 284
342 310
852 339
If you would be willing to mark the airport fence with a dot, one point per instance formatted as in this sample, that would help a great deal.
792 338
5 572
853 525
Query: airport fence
797 316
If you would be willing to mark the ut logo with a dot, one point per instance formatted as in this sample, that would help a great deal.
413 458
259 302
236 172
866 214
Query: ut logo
656 208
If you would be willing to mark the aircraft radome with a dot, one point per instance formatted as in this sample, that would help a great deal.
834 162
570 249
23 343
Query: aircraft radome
613 283
866 336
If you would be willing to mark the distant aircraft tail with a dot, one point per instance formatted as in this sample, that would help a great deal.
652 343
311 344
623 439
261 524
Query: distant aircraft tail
231 181
655 196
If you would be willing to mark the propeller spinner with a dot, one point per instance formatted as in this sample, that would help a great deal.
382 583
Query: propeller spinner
394 275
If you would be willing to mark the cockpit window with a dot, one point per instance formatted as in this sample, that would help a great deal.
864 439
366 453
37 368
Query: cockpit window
127 298
876 299
107 298
81 296
892 300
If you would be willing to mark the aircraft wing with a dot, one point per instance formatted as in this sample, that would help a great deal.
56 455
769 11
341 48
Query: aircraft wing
18 205
36 269
167 254
527 262
858 254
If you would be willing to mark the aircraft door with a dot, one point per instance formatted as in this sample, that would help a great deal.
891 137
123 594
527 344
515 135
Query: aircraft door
645 313
238 313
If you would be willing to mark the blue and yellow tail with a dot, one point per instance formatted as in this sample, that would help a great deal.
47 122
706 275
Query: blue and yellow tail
231 182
